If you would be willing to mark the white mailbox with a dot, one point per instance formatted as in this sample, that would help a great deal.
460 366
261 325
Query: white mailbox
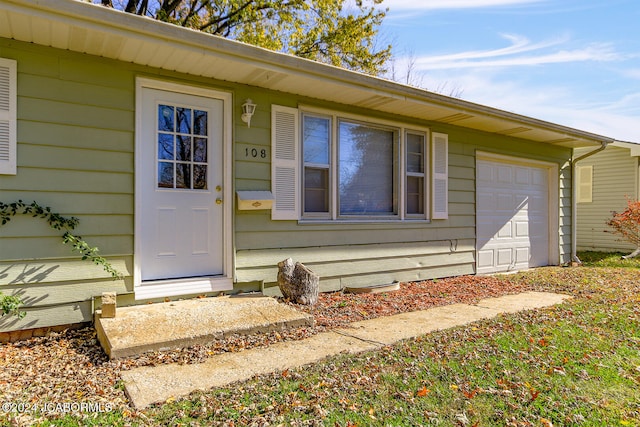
254 200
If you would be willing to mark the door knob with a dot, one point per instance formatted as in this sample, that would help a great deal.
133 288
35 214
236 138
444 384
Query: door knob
218 201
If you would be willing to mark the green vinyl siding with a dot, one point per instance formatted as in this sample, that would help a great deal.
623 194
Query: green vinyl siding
615 177
76 153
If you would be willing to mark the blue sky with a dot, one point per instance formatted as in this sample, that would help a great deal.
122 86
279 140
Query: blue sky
571 62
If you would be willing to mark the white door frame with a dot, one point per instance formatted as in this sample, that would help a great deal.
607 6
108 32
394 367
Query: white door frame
554 193
173 287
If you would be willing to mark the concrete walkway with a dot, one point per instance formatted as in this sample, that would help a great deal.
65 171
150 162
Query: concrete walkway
148 385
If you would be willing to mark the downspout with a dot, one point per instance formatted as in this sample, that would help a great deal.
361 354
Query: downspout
574 201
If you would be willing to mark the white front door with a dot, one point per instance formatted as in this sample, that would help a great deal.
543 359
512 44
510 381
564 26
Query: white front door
180 181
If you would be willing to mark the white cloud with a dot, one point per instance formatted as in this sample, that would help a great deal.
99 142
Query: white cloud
518 53
553 102
397 5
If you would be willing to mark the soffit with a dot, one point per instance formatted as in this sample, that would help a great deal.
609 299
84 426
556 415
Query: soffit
95 30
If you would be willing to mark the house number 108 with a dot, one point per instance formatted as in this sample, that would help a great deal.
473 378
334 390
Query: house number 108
255 153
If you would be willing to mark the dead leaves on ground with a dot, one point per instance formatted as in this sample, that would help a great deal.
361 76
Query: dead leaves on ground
29 374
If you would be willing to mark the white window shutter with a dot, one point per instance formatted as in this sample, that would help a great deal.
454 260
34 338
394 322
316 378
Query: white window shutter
8 114
284 163
440 180
585 184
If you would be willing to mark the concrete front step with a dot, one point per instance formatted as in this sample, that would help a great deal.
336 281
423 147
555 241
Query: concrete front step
178 324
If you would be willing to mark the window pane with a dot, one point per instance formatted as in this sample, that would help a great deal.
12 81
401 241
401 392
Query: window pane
199 122
200 150
415 153
315 139
366 170
183 175
415 195
200 177
165 175
165 146
165 118
183 148
183 118
316 190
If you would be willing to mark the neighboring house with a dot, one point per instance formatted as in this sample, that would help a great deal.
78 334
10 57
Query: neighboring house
135 127
606 181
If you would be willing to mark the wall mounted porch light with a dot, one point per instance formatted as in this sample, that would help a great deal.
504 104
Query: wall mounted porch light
248 108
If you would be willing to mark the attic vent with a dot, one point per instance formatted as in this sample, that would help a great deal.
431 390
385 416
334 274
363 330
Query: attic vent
455 118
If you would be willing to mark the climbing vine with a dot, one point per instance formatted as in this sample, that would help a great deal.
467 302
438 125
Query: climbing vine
9 304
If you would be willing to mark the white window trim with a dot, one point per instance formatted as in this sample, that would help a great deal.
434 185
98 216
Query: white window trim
334 217
397 194
8 117
331 170
426 174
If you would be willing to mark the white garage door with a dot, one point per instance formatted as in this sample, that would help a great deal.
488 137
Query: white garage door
512 214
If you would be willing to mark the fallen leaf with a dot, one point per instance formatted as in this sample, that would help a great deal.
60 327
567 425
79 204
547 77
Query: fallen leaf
470 394
423 392
534 393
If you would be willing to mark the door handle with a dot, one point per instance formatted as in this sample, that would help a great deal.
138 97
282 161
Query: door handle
218 201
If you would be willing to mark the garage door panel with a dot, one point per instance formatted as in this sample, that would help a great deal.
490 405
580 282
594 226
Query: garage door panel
539 178
522 176
485 258
505 202
484 173
538 204
522 229
505 174
522 255
512 223
504 257
505 231
486 202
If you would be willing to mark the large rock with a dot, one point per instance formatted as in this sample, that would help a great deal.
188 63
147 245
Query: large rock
297 283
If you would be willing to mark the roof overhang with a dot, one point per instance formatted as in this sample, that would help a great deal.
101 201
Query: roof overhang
87 28
634 149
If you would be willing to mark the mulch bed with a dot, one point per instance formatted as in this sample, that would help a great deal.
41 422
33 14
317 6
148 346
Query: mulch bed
70 366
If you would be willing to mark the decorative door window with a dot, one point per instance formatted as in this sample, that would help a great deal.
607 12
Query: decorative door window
182 140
